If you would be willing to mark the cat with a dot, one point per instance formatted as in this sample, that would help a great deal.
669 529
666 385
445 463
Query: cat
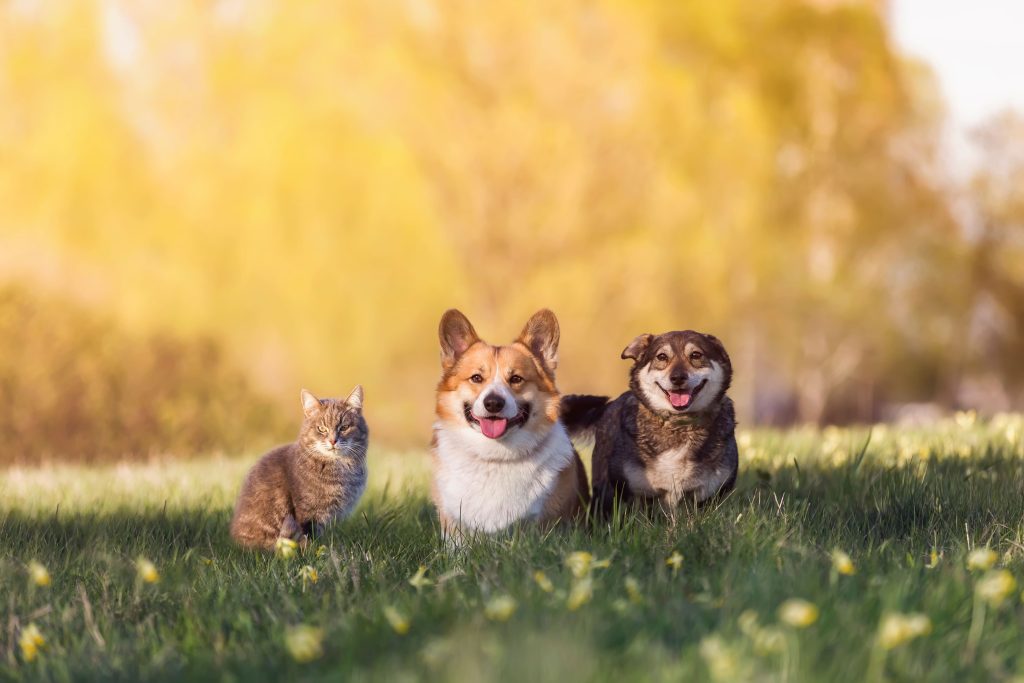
298 488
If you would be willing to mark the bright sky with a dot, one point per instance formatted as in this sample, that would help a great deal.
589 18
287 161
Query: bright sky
976 48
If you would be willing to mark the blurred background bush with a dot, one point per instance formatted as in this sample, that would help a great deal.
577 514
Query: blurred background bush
206 205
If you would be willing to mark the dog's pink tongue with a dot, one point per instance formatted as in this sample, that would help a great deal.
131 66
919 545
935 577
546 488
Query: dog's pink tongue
678 400
493 427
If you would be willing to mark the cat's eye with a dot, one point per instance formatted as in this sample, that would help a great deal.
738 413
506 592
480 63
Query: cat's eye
322 430
696 356
662 357
515 379
477 378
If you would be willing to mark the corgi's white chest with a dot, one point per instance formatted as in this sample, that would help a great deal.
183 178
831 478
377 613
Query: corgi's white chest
482 491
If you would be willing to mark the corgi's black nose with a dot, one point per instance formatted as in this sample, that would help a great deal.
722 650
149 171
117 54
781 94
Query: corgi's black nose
678 376
493 403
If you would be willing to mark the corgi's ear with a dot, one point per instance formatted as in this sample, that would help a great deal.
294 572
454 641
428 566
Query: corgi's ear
540 335
637 347
355 399
310 403
457 335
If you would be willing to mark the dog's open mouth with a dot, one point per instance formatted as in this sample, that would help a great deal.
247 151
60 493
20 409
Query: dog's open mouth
496 427
681 400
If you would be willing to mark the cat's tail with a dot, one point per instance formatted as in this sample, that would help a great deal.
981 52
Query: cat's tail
580 413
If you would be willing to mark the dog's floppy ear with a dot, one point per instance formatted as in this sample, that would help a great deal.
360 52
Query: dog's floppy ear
310 403
637 347
355 399
540 335
457 335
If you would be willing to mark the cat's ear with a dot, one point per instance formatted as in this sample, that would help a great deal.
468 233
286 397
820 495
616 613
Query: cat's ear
310 403
457 335
540 335
355 399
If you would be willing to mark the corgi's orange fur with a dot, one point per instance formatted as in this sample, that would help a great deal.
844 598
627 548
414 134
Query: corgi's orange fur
501 456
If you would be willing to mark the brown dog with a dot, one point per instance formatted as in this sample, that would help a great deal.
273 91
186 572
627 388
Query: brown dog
672 435
501 455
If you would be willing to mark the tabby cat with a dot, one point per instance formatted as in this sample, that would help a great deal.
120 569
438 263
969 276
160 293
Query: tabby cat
298 488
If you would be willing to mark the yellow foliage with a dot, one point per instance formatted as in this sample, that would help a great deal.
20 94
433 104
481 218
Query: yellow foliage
310 187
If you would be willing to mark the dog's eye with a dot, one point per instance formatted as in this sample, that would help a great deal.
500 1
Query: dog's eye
515 379
696 356
477 378
662 357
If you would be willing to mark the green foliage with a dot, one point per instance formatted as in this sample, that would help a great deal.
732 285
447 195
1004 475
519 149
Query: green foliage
888 501
75 387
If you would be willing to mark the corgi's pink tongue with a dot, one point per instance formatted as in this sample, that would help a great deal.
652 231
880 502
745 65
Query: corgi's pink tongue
493 427
678 400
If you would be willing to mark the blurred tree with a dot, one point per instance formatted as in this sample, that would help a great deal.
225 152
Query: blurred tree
995 236
311 185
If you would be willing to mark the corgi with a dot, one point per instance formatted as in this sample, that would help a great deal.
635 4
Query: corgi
500 454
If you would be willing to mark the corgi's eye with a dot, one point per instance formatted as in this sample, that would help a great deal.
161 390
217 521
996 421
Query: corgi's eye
696 356
515 379
662 357
476 379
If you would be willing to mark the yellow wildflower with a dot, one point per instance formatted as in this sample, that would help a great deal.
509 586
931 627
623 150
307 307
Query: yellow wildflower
285 547
309 573
500 608
965 418
321 550
897 629
147 570
31 641
842 563
769 640
436 652
419 579
748 622
579 563
633 590
581 593
304 643
798 613
38 574
933 559
399 622
675 560
995 587
981 559
543 581
720 659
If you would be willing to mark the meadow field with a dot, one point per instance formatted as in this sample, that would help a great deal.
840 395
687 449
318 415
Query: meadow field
843 555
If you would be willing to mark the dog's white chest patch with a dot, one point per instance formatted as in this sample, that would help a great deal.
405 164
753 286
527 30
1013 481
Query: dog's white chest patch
673 474
490 493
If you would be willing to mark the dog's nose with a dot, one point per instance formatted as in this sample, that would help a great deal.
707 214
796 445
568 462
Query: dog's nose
677 377
493 403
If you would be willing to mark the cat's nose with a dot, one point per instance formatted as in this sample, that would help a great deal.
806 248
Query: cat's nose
493 403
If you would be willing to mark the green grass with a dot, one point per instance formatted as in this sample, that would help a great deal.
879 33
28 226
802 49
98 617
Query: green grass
221 614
